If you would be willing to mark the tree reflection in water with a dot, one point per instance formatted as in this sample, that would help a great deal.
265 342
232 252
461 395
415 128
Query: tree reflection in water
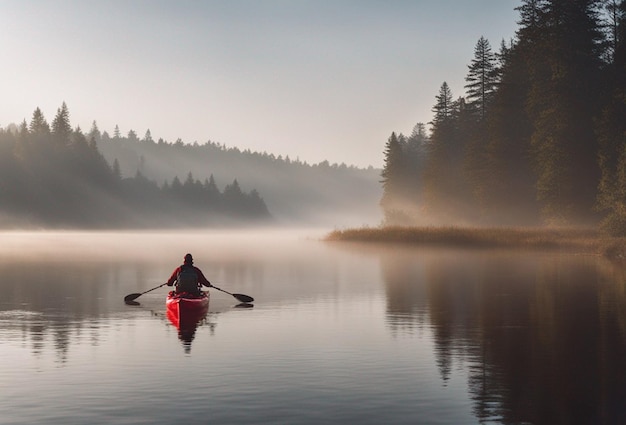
55 300
543 337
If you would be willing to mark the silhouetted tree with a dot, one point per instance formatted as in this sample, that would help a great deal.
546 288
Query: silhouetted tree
393 181
61 128
481 87
38 124
481 79
443 170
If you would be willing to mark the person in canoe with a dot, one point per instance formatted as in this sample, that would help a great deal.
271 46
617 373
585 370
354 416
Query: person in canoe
188 278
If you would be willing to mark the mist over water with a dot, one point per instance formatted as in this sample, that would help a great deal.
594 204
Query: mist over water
339 332
133 245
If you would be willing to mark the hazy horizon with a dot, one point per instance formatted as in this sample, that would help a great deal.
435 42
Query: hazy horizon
312 80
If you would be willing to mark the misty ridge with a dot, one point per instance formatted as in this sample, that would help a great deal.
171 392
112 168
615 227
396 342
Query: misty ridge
295 191
53 176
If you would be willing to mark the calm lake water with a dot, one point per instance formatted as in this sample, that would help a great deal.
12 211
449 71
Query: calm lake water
338 334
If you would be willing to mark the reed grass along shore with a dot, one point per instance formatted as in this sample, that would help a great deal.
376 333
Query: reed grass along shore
574 240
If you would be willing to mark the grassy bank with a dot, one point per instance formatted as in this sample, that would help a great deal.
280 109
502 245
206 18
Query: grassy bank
575 240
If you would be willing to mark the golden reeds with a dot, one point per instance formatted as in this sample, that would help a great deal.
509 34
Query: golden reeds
577 240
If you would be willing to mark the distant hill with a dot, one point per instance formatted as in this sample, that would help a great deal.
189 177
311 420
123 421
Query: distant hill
295 192
53 176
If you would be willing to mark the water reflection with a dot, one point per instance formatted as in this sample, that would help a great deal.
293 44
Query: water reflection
397 335
49 302
187 330
542 336
51 305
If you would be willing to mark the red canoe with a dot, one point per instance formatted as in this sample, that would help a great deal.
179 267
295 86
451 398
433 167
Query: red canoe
185 310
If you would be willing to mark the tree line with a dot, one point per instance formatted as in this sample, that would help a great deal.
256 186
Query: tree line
538 137
296 192
54 175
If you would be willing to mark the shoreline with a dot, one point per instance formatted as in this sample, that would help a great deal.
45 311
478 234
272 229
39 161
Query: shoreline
587 241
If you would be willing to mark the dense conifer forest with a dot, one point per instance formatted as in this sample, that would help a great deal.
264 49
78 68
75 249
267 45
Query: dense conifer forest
54 176
539 136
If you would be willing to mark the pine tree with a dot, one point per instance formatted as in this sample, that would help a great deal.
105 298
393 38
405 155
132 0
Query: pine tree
212 193
393 174
38 124
233 198
132 136
417 147
531 21
233 190
481 79
176 186
61 128
148 137
443 105
442 171
23 131
95 132
211 185
509 180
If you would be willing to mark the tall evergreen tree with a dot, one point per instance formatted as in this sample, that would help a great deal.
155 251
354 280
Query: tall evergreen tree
132 136
509 180
61 128
485 72
38 124
95 132
531 21
443 107
416 153
442 174
393 181
481 78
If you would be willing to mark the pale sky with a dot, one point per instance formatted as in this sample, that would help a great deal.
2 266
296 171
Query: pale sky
313 79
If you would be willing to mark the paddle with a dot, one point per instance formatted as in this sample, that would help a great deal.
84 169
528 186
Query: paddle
130 298
241 297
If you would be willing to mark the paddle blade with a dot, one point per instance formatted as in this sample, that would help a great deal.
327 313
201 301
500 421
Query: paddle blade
130 298
243 298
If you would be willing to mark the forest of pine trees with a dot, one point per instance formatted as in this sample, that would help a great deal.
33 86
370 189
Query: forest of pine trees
296 192
538 138
54 176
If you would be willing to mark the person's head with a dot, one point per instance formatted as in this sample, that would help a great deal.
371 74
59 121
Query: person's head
188 259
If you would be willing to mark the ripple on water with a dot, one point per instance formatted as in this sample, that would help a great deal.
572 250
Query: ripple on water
19 315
